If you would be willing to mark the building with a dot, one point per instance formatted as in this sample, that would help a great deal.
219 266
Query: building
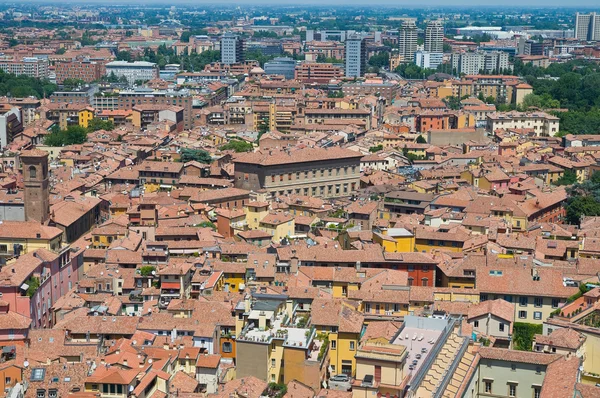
28 66
86 70
232 49
317 73
429 60
434 37
126 100
541 123
283 66
356 56
407 41
332 172
477 62
35 178
587 26
133 71
11 123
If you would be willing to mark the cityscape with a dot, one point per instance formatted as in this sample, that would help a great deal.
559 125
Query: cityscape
320 200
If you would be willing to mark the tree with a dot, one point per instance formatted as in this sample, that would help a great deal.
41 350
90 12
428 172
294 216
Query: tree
569 177
124 56
238 146
421 140
452 102
70 84
376 148
207 224
72 135
198 155
61 51
335 94
380 60
97 124
147 270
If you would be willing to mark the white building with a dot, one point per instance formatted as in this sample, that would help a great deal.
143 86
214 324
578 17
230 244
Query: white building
232 49
434 37
132 71
356 56
541 123
428 60
587 26
407 41
477 62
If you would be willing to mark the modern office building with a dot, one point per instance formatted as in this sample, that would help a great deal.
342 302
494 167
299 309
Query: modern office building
133 71
232 49
434 37
407 40
281 66
429 60
587 26
356 56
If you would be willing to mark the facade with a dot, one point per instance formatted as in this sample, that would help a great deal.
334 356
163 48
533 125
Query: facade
232 49
133 71
407 42
541 123
434 37
587 26
428 60
356 56
11 124
28 66
281 66
85 70
318 73
142 96
317 172
477 62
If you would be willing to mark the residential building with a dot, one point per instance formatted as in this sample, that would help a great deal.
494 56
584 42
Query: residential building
317 73
133 71
86 70
587 26
473 63
540 123
28 66
428 60
434 37
356 56
232 49
11 123
407 40
320 172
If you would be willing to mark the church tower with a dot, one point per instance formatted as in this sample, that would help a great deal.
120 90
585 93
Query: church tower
35 176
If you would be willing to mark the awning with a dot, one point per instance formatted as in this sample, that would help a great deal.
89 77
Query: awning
170 285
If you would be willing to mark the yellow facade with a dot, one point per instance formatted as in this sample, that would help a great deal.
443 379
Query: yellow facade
397 244
462 296
232 281
341 289
31 245
425 245
254 214
100 241
280 231
85 115
342 349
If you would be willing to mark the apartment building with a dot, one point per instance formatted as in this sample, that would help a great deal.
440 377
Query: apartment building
28 66
133 71
11 123
504 87
587 26
407 41
540 123
332 172
477 62
86 70
317 73
126 100
356 56
434 37
232 49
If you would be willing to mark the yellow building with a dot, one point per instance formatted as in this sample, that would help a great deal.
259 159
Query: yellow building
30 235
278 225
85 115
234 275
107 233
343 326
385 363
427 241
255 212
395 240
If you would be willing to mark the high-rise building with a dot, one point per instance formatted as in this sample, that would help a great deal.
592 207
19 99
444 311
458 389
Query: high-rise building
407 40
356 56
587 26
477 62
232 49
434 37
35 178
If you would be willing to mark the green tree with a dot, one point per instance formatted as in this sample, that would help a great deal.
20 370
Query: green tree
523 334
376 148
199 155
335 94
124 56
70 84
72 135
569 177
421 140
97 124
238 146
34 285
207 224
380 60
147 270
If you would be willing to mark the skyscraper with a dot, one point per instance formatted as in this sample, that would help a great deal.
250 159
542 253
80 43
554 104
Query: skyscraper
356 56
232 49
407 41
434 37
587 26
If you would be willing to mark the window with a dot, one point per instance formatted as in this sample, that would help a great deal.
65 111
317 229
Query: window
41 393
508 298
476 324
367 307
273 362
352 346
333 344
523 301
272 378
484 297
424 282
554 303
32 172
537 315
538 302
537 392
501 327
512 390
52 394
522 314
7 381
227 347
513 367
488 387
538 370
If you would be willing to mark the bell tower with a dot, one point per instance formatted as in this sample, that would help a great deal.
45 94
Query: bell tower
35 177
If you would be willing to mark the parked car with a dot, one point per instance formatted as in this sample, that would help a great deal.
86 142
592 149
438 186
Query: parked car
340 382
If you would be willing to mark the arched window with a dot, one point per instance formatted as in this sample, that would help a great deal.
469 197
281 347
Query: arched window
32 172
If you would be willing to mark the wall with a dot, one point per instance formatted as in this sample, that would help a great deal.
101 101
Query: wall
252 359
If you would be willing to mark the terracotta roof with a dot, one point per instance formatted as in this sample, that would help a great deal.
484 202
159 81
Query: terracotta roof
563 337
561 378
302 155
502 354
500 308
